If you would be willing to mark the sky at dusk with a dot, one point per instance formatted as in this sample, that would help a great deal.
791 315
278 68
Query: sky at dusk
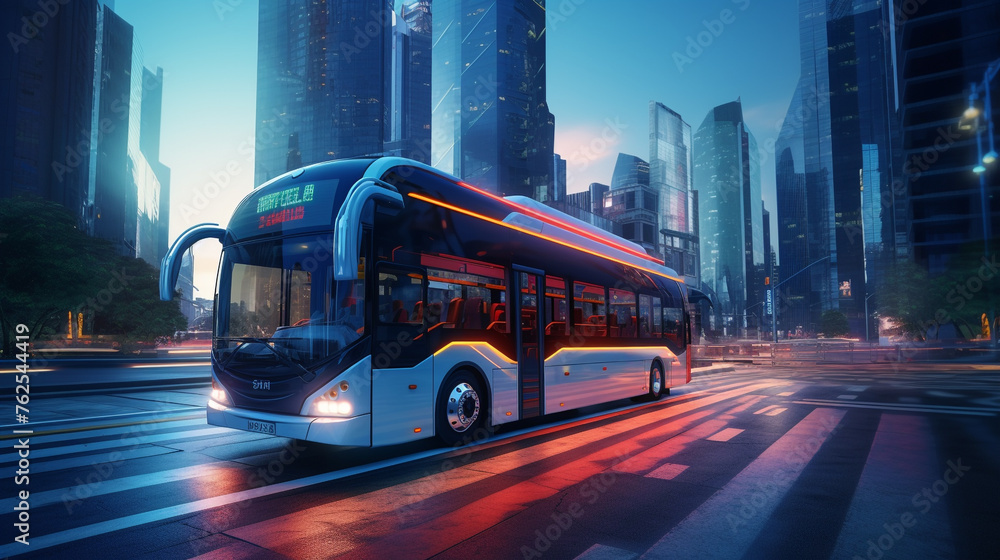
606 60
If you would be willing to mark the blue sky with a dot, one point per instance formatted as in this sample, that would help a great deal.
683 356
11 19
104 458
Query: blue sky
606 60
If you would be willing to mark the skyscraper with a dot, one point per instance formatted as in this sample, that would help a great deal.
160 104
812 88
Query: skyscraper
946 47
558 178
670 174
727 172
410 125
46 101
323 82
629 170
491 124
149 143
839 134
633 203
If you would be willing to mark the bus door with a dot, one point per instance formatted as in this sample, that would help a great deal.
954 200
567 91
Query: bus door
528 283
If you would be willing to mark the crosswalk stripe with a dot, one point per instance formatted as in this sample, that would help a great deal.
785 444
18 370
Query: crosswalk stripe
766 408
100 458
887 510
161 514
769 476
604 552
113 485
667 471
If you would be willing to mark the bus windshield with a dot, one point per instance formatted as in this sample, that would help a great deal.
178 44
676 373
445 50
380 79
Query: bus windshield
279 306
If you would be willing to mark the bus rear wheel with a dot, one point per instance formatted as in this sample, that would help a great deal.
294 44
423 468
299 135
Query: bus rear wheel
657 382
461 411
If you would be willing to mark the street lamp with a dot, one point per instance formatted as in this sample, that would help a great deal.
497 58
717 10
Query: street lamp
982 160
868 319
774 314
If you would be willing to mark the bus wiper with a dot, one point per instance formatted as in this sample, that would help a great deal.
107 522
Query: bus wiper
306 375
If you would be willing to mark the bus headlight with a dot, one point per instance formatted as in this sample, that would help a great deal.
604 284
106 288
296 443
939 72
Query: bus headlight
330 404
218 393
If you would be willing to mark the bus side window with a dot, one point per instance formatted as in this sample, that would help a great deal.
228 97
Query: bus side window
657 318
622 313
555 306
645 316
589 312
399 292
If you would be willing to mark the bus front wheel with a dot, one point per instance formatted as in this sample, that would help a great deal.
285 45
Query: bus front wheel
461 411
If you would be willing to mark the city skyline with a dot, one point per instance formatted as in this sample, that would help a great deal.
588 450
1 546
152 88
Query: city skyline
210 86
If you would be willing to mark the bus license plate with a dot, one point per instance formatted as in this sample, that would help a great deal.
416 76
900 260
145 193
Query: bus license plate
262 427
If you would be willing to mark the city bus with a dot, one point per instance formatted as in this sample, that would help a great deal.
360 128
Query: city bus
369 302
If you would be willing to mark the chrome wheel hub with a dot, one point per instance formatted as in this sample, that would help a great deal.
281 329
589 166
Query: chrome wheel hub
463 407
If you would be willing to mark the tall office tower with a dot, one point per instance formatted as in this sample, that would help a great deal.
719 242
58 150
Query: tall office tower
633 203
149 143
945 48
491 122
727 172
670 174
557 191
46 100
839 134
323 82
629 170
410 123
597 192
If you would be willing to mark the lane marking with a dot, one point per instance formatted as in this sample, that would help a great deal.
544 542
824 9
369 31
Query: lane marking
667 471
902 444
320 524
786 394
100 458
889 407
857 388
605 552
716 529
725 435
122 415
111 429
766 408
776 411
117 443
847 397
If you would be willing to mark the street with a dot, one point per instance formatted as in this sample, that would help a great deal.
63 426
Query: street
860 461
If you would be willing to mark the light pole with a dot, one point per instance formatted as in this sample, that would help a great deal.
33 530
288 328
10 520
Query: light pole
867 318
982 160
774 298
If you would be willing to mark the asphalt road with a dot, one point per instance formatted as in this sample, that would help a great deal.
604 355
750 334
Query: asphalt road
833 462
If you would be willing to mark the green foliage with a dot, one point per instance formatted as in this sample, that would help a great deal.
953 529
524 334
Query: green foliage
919 305
833 323
50 268
136 314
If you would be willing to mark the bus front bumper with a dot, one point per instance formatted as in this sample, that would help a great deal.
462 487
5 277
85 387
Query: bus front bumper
354 431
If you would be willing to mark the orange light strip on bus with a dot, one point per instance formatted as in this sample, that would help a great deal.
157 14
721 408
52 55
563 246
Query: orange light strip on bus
473 344
610 348
539 235
557 222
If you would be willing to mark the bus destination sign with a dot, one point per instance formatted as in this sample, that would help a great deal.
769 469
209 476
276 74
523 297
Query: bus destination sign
287 205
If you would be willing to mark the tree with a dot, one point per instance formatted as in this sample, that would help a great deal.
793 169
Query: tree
135 313
833 323
49 266
905 296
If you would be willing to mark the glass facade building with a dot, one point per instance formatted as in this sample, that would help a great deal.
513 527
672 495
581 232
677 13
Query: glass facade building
838 138
324 82
727 172
670 174
46 104
410 125
629 170
945 47
491 124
